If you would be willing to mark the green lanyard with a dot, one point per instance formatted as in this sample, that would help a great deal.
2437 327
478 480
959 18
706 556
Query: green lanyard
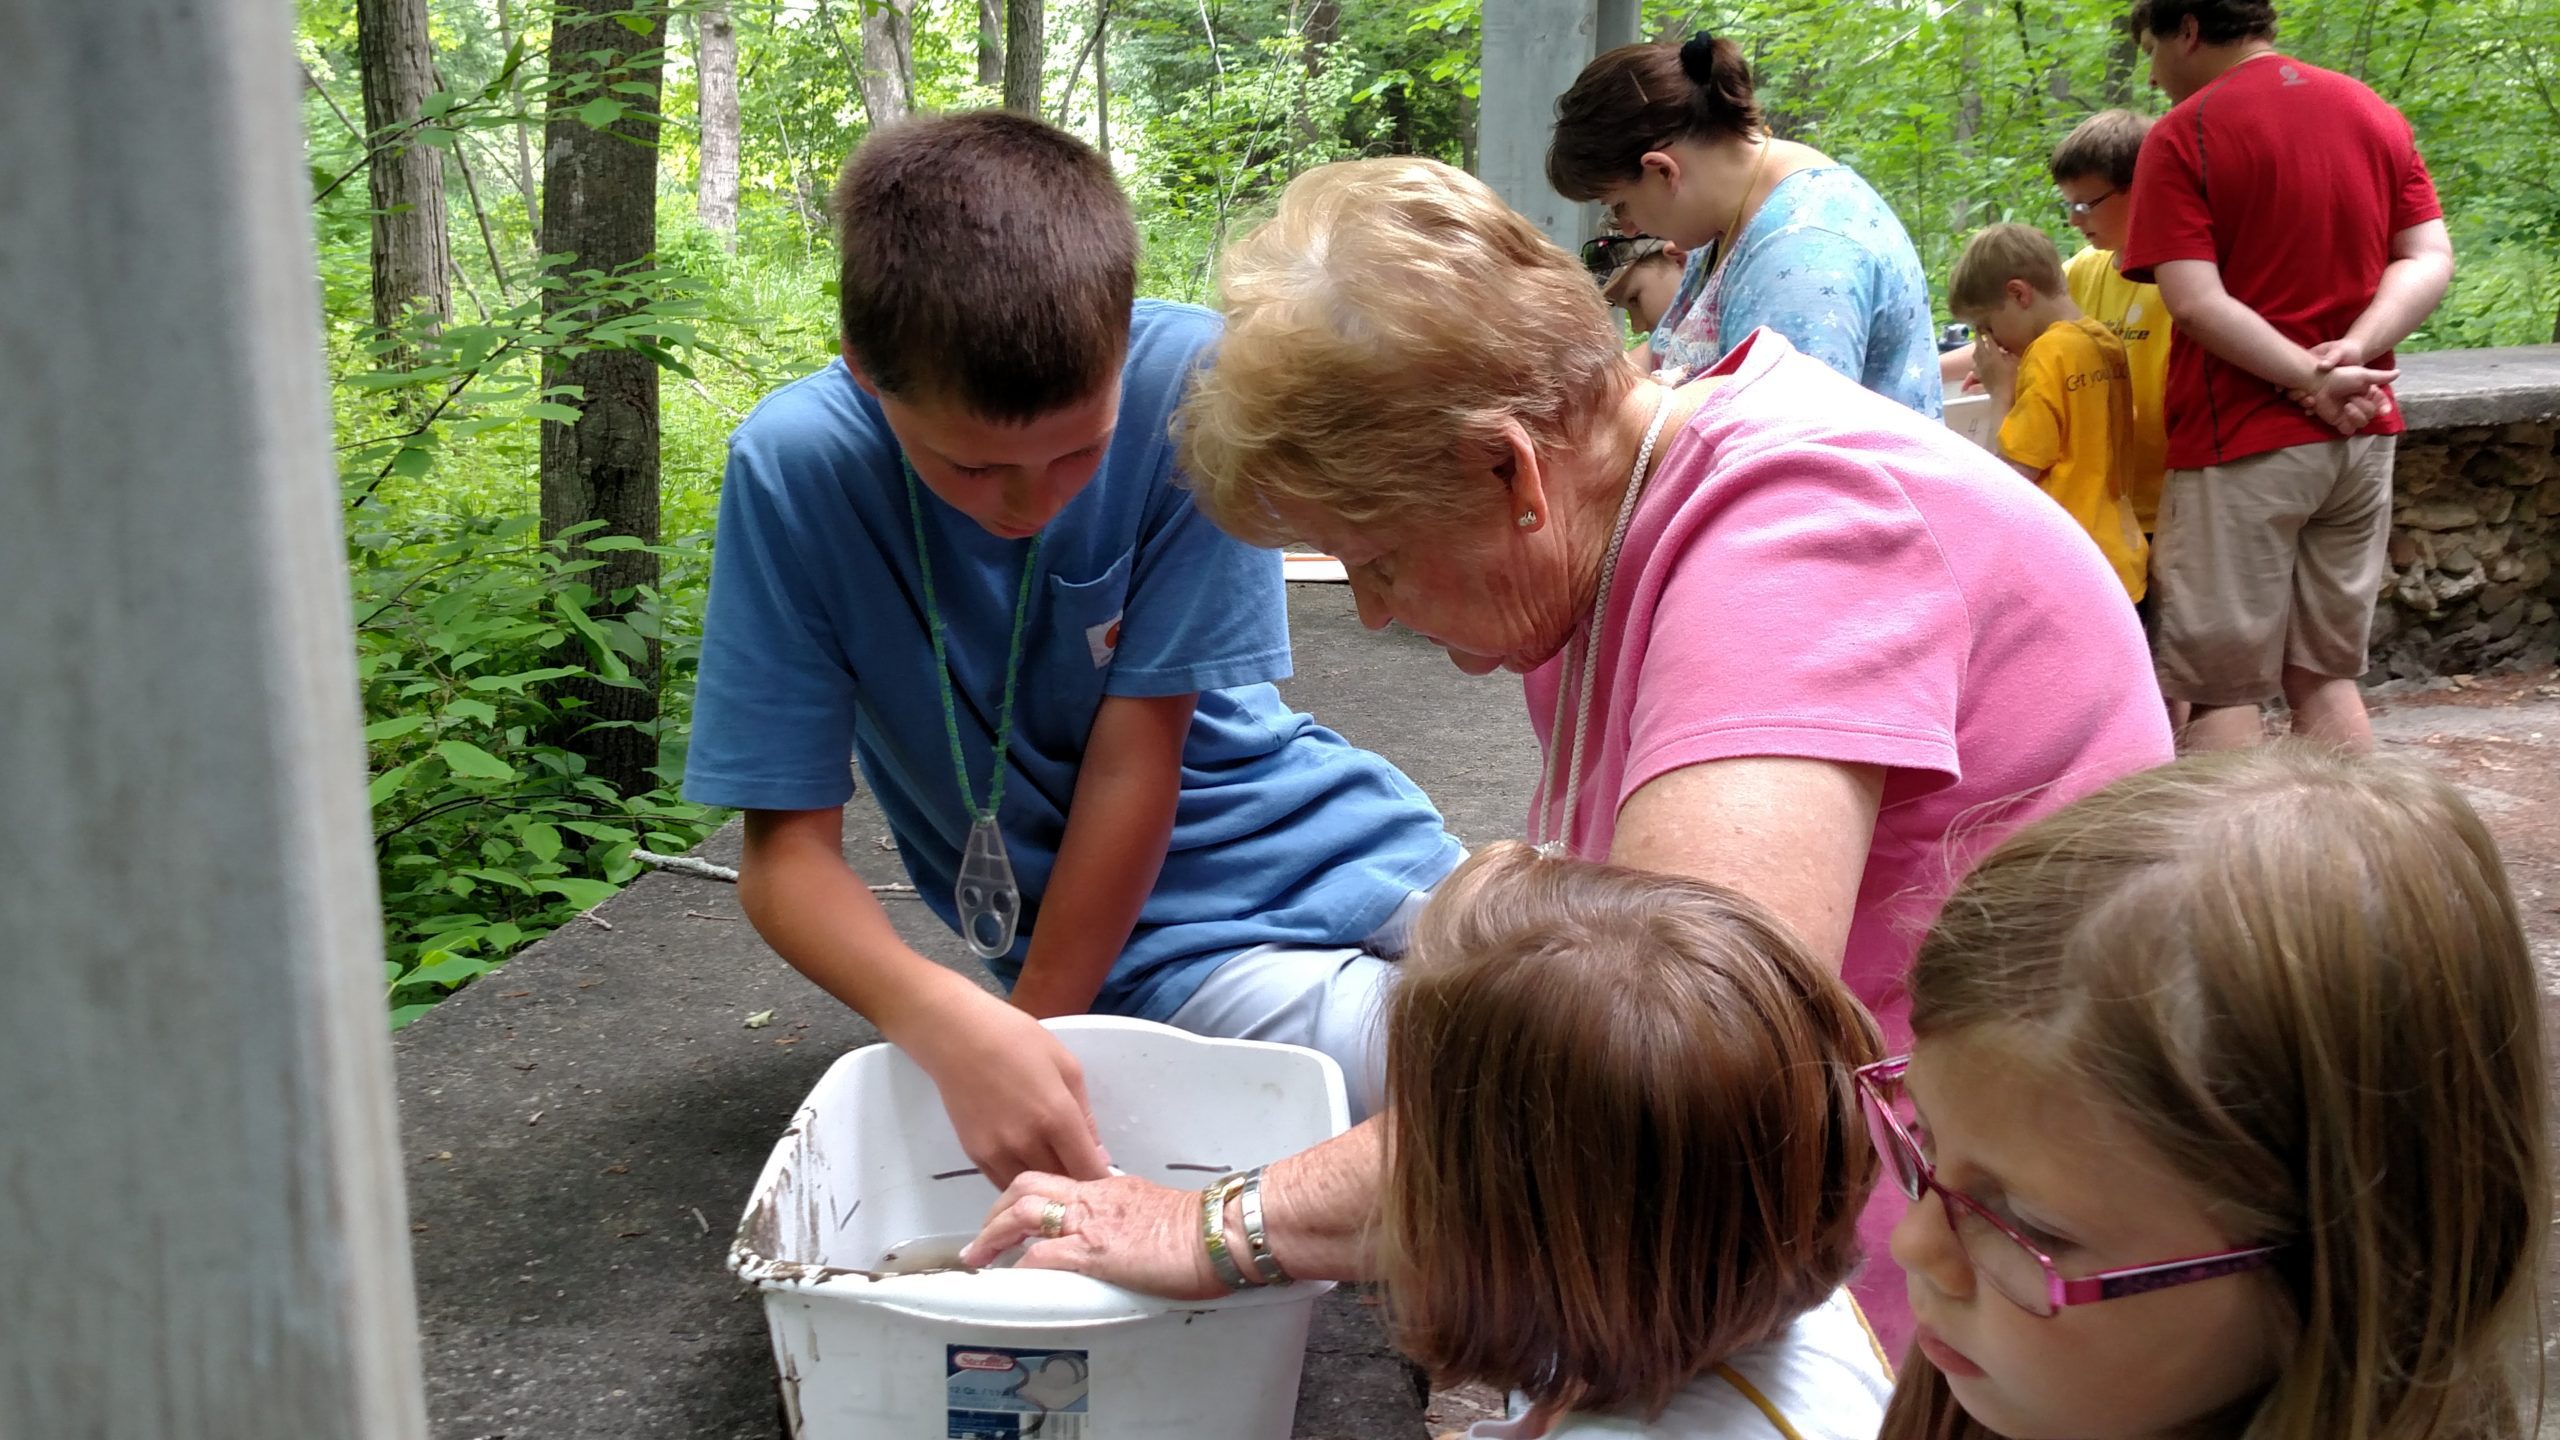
988 900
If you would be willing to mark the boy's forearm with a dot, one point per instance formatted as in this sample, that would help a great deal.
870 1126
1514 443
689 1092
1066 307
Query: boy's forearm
2216 319
2411 289
1118 825
823 919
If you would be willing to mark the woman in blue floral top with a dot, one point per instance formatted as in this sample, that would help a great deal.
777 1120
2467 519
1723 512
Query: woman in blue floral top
1779 234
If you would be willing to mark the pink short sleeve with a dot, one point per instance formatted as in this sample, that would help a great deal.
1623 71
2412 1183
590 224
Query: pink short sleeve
1798 606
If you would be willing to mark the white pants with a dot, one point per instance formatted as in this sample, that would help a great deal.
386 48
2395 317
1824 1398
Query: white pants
1329 999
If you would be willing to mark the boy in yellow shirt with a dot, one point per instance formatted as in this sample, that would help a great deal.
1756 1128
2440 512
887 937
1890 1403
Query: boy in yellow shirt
2093 168
2063 382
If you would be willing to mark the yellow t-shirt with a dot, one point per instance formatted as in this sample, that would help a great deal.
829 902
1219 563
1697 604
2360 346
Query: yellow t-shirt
2073 420
2137 317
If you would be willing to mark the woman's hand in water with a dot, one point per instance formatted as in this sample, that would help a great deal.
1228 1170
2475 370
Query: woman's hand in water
1131 1232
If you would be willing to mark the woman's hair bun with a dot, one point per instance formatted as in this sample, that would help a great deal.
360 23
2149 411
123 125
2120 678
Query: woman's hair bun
1698 58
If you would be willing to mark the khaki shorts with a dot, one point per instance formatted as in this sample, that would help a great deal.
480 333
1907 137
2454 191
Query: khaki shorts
2271 561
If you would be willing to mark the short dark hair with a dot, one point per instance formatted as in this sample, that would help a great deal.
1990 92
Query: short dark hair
987 258
2106 143
2218 22
1642 97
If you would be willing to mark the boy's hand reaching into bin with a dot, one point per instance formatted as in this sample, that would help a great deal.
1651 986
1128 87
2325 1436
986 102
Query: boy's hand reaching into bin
1014 1094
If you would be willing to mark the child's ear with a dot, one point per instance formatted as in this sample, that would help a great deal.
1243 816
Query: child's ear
855 367
2021 294
1677 255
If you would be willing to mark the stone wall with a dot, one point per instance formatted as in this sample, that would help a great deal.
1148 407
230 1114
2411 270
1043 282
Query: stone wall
2475 530
2475 542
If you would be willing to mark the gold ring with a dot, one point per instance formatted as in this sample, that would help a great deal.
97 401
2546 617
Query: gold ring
1053 1220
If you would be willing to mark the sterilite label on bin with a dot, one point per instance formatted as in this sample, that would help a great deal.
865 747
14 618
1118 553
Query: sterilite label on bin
1005 1394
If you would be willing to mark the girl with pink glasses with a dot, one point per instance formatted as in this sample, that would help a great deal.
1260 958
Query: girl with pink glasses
2224 1117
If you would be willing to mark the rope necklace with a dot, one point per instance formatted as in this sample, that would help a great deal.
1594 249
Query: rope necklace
988 900
1553 836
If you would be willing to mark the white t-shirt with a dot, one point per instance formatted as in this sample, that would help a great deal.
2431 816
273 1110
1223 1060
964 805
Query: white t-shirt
1824 1378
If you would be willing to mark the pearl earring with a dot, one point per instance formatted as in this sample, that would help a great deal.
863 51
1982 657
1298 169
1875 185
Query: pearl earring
1527 519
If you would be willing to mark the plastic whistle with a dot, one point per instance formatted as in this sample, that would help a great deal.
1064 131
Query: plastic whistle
989 902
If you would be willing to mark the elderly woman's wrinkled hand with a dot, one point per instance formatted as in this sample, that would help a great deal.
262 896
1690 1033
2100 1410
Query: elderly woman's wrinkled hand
1131 1232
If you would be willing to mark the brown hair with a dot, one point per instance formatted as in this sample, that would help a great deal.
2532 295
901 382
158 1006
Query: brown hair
2218 22
1995 256
2301 975
1642 97
2106 143
1381 328
1623 1139
988 259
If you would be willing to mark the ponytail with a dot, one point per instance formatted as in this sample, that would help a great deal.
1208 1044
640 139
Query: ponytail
1642 97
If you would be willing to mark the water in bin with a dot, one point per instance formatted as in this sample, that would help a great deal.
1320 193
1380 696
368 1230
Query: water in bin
854 1231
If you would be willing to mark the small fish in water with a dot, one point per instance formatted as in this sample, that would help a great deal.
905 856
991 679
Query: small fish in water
926 1254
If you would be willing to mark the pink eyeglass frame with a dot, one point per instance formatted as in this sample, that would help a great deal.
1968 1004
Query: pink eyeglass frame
2059 1292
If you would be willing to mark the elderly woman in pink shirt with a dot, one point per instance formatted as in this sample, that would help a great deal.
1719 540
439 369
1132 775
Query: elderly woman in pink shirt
1777 632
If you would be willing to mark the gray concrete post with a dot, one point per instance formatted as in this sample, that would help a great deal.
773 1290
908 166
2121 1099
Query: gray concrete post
201 1224
1532 51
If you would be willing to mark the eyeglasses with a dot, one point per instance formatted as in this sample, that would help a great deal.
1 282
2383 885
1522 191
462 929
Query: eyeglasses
2023 1274
2079 208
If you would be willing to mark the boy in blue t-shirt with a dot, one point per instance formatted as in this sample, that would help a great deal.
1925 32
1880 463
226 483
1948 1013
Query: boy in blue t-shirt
963 540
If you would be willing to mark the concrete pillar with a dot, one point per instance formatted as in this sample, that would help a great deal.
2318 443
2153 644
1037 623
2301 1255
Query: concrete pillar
1533 49
1619 23
201 1223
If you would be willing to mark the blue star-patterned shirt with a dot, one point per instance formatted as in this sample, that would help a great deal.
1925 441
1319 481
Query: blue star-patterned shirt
1826 264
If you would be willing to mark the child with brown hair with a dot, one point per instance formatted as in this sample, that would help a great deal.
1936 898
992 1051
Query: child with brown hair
960 556
2061 381
1624 1168
2224 1118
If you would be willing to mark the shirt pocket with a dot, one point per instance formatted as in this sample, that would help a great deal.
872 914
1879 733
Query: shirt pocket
1087 614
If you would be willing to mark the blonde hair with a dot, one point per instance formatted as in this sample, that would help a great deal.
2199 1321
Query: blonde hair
1381 328
1624 1140
2302 977
1994 257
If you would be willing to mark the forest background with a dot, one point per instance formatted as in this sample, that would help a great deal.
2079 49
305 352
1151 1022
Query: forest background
563 247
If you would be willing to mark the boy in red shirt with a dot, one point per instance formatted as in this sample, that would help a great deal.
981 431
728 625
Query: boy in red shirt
2295 236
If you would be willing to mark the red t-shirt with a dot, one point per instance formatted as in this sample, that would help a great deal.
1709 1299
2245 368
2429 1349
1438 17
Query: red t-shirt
2293 179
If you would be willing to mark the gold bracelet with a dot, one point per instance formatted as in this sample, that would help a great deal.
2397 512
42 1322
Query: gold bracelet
1213 1232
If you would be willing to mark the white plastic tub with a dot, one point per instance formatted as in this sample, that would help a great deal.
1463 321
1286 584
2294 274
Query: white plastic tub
870 1163
1970 415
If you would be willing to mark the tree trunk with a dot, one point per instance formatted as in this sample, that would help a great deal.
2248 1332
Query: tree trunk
888 70
1102 80
1025 51
600 208
991 43
715 195
406 178
525 185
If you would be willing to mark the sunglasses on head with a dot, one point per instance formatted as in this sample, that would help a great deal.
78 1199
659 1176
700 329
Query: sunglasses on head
1604 255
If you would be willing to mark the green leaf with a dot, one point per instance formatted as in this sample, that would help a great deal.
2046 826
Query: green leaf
541 841
616 542
467 709
469 759
546 410
394 728
443 967
386 785
609 834
601 111
585 894
401 1015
